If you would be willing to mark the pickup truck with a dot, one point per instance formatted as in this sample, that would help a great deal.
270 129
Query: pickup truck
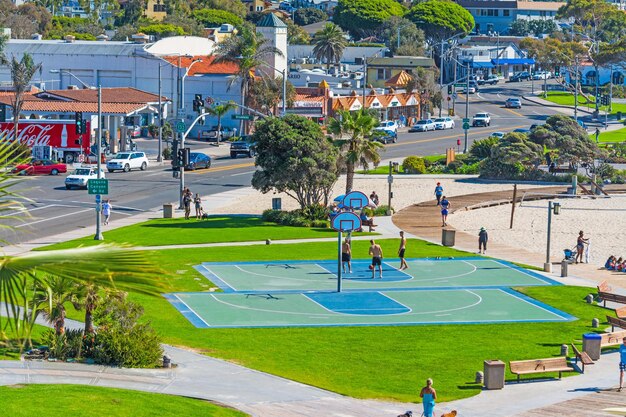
242 146
481 119
80 176
490 79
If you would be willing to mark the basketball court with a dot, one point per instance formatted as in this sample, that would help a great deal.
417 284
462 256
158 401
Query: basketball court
304 293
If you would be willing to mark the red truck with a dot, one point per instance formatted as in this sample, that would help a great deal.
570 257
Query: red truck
60 135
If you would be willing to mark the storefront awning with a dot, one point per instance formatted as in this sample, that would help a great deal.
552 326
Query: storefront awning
482 64
513 61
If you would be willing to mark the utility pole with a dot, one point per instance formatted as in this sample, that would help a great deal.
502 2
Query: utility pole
441 76
466 103
98 235
160 155
576 92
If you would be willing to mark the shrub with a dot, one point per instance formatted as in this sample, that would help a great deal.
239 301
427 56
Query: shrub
270 215
315 212
382 210
481 149
121 340
496 169
320 224
605 171
414 165
57 344
167 153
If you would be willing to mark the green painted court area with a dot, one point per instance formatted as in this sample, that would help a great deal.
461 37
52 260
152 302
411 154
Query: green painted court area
295 293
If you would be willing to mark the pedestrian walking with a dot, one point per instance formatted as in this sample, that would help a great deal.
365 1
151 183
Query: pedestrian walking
187 203
438 192
106 211
428 395
376 252
622 363
401 250
197 201
346 255
445 207
483 237
580 246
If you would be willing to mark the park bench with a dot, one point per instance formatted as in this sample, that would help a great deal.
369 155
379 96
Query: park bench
616 322
609 296
369 223
583 357
612 338
604 287
540 366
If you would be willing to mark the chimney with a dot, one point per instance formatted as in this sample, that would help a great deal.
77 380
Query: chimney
70 38
102 38
140 38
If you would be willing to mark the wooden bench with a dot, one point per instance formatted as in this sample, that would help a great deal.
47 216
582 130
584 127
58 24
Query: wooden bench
539 366
609 296
369 223
583 357
604 287
616 322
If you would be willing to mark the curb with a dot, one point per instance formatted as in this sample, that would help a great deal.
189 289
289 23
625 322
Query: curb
560 106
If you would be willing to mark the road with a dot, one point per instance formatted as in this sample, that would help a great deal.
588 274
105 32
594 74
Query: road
54 210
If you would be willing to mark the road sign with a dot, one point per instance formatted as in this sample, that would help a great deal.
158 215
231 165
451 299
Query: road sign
454 96
98 186
460 85
242 117
466 120
466 126
180 127
98 198
346 222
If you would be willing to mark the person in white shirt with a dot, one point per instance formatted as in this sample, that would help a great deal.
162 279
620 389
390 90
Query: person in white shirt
106 211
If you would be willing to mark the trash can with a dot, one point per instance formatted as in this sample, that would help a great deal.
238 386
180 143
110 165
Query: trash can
277 204
591 345
168 211
494 374
619 115
564 268
447 237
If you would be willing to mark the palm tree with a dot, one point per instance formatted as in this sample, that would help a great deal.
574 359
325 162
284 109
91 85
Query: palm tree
22 73
249 51
329 44
219 110
51 296
353 131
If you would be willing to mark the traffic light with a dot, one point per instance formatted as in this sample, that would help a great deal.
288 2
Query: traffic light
198 103
557 71
78 121
83 126
175 154
450 89
3 113
183 157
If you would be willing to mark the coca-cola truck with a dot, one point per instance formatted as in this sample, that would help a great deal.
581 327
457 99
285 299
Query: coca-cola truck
67 145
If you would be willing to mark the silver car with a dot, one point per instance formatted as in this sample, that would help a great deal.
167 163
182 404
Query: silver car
423 126
444 123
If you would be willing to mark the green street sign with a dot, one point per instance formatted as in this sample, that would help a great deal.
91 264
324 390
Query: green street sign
180 127
466 126
242 117
98 186
460 85
465 120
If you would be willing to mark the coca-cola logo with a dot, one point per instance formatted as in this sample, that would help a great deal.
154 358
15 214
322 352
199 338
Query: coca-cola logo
28 134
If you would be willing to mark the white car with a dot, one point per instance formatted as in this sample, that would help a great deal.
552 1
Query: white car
80 177
423 126
481 119
469 90
125 161
498 135
388 125
444 123
541 75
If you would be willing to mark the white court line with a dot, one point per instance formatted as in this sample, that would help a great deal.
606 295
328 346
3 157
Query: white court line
52 218
26 209
274 311
523 271
447 277
192 310
275 276
218 277
534 305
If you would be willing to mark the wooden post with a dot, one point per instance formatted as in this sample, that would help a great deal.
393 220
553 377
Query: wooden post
513 204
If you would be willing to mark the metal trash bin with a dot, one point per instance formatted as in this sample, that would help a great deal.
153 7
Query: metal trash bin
168 211
564 265
447 237
494 374
591 345
619 115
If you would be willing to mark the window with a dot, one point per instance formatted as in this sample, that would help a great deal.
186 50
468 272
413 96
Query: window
381 74
158 8
506 13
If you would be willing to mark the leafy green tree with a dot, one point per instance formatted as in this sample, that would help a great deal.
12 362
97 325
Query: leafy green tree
411 38
51 296
364 17
295 157
266 93
162 30
214 18
329 44
440 20
233 6
481 149
514 154
296 35
62 26
22 73
220 110
519 27
353 131
131 13
309 15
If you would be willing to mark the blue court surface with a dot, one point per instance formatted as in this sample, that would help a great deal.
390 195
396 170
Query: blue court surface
304 293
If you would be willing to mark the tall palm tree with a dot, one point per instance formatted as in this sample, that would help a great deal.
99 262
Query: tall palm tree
219 110
353 131
22 73
52 294
249 51
329 44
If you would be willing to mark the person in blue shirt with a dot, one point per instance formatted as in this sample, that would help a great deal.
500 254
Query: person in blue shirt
428 395
622 363
438 192
445 206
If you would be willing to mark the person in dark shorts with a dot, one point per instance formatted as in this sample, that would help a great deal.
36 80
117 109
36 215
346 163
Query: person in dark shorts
445 206
187 199
438 192
622 363
580 246
377 258
346 255
483 237
401 250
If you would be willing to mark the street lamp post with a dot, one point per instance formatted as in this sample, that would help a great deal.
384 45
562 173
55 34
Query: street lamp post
467 90
556 208
441 63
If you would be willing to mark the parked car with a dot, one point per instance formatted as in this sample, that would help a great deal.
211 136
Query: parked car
125 161
481 119
542 75
469 90
498 135
520 76
80 176
388 125
423 126
197 160
242 146
213 133
491 79
513 103
444 123
40 167
385 136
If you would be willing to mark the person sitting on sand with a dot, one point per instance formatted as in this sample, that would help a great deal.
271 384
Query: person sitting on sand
610 263
618 264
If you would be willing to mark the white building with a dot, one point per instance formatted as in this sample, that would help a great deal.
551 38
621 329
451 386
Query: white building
274 29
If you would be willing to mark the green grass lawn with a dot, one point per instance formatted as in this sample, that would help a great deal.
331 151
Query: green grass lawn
567 99
217 229
88 401
384 169
12 352
610 136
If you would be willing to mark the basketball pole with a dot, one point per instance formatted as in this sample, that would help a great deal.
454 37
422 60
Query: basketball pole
339 263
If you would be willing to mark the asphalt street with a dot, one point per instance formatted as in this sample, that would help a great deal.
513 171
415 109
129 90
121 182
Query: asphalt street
50 209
